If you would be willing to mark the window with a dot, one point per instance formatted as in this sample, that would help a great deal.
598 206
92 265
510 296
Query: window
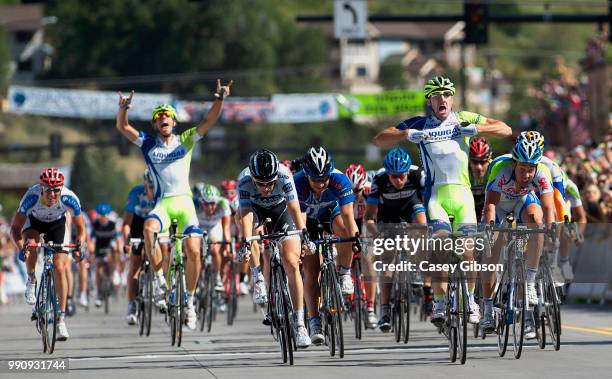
362 71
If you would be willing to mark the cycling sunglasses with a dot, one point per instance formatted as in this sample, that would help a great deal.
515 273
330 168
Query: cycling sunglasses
319 180
269 184
440 94
162 114
401 176
54 190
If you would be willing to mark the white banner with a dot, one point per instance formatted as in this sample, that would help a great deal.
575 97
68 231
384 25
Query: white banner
303 108
80 103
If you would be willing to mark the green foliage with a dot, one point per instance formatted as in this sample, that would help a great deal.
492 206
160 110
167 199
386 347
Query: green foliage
4 60
89 179
391 74
10 203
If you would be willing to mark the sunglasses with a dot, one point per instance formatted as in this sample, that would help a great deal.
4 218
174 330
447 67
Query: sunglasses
209 204
401 176
319 180
162 114
265 184
440 94
54 190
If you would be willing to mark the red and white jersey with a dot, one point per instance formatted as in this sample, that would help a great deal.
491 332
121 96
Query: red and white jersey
359 206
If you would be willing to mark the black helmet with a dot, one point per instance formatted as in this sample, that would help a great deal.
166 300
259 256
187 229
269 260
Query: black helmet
317 163
263 165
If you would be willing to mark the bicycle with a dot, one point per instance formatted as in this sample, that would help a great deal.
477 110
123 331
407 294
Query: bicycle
455 323
206 295
46 307
280 307
331 299
510 298
231 285
106 287
144 293
176 297
548 309
356 304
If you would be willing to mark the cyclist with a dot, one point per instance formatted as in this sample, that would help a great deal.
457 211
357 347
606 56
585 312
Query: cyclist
511 189
228 191
139 203
42 211
361 189
443 138
394 198
215 217
168 157
267 190
104 236
326 198
577 214
480 158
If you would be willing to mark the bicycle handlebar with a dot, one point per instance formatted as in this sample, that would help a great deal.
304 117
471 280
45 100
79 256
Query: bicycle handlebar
53 246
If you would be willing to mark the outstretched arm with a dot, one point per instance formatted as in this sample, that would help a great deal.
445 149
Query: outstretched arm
215 111
494 128
390 136
123 126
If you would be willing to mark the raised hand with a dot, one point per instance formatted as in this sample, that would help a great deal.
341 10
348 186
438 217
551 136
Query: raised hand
223 91
125 102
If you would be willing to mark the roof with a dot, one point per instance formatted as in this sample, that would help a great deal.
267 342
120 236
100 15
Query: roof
21 17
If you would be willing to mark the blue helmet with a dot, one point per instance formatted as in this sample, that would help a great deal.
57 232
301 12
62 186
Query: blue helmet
397 161
527 151
103 209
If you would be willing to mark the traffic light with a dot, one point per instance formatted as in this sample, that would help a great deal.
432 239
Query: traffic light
476 16
55 145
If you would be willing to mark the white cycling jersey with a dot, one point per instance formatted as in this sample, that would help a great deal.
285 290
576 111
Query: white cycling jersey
207 222
284 190
32 205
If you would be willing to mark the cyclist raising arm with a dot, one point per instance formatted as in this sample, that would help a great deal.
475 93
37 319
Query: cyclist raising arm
169 158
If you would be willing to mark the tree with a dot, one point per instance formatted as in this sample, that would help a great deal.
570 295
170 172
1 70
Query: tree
5 58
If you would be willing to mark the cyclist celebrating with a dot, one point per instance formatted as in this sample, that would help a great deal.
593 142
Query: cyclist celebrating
326 198
394 198
140 202
42 210
443 138
267 190
168 157
480 158
104 235
215 216
511 189
361 189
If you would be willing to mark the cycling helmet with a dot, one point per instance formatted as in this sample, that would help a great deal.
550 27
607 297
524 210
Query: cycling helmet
228 185
263 165
527 152
357 176
148 178
52 177
532 136
164 108
438 84
317 163
397 161
103 209
210 194
480 150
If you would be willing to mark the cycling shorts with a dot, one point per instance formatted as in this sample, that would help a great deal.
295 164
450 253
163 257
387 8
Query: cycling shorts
54 231
136 231
516 207
451 199
180 208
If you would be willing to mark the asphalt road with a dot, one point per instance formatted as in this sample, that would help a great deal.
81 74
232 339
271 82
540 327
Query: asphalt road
105 346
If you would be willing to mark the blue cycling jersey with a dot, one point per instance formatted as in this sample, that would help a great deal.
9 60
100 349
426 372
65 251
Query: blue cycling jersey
138 203
339 192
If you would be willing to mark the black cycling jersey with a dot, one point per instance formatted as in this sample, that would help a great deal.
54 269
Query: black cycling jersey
397 205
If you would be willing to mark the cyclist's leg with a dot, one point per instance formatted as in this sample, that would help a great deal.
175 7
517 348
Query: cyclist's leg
188 223
312 271
61 265
31 235
215 234
530 212
156 221
345 251
132 282
440 222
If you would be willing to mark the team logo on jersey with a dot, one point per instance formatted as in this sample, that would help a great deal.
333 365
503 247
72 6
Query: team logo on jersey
160 156
543 184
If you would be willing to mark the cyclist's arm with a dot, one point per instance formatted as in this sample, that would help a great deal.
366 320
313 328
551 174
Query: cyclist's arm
579 216
124 127
126 229
294 209
346 211
494 128
390 136
80 228
225 224
370 215
491 201
16 227
246 222
548 207
211 117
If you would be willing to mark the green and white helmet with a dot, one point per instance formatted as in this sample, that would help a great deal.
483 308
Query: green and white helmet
438 84
206 193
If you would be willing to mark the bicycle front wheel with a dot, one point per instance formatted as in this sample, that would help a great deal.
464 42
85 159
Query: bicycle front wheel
553 311
357 306
51 312
462 317
336 310
519 302
180 301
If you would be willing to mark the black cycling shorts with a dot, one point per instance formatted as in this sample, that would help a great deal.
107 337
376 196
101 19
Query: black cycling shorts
54 231
411 206
325 220
137 231
279 215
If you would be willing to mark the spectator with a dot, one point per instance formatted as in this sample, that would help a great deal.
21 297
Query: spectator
596 212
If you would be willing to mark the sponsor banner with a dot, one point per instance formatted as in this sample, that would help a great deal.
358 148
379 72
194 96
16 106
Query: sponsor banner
303 108
79 103
247 111
388 103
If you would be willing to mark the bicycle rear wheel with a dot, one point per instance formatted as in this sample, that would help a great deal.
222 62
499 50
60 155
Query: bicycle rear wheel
552 311
140 299
337 312
42 317
357 305
148 300
501 316
287 310
406 307
398 294
451 323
